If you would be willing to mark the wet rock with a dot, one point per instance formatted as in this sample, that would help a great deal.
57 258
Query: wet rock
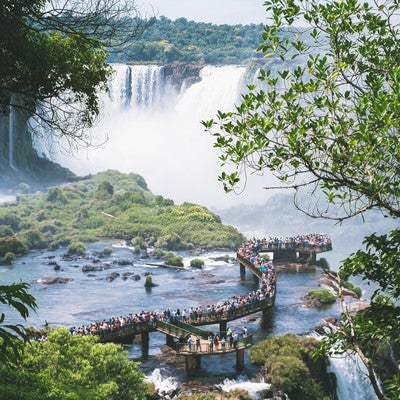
91 268
112 276
124 262
52 281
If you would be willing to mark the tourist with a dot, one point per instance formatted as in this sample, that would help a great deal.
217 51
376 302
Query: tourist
210 343
244 332
216 342
190 341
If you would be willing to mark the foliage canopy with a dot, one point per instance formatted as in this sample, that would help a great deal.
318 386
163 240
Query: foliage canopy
73 367
13 337
54 60
327 126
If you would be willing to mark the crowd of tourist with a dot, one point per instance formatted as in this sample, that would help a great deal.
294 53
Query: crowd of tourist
189 315
312 240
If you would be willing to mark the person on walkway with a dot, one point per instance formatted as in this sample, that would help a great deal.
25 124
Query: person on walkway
223 344
190 342
216 342
244 332
235 338
210 343
198 344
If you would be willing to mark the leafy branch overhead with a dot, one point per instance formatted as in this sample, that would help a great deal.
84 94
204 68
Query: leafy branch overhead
326 122
12 337
53 60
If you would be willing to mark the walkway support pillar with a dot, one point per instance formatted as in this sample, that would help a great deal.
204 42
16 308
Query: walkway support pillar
222 329
242 271
313 258
169 340
145 345
240 359
264 314
192 364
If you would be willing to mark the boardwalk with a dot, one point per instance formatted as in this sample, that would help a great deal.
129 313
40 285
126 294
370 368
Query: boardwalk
178 328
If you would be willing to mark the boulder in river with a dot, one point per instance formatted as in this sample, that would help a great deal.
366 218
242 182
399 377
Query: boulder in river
91 268
52 280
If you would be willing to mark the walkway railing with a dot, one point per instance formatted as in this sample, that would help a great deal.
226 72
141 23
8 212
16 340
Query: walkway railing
249 265
318 248
194 330
172 329
205 347
128 330
135 328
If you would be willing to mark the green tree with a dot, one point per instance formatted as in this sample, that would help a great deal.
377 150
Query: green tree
54 60
73 367
14 336
326 124
52 67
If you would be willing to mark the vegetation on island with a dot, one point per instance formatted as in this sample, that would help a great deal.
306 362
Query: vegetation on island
287 363
110 205
328 130
321 296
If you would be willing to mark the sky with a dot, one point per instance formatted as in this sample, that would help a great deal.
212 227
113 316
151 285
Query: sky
213 11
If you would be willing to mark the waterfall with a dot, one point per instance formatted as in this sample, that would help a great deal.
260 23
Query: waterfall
154 129
351 376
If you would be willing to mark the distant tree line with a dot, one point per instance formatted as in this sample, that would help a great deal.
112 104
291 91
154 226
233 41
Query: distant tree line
167 41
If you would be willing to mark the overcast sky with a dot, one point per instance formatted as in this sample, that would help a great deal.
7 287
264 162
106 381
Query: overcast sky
214 11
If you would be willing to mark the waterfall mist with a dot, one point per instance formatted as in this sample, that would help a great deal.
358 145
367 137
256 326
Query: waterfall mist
156 132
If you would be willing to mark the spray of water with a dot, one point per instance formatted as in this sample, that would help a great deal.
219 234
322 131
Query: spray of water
155 131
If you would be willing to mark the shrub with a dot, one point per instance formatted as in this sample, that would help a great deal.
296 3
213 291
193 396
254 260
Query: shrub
323 263
8 258
11 244
149 281
139 242
288 365
76 248
173 259
106 251
158 253
196 263
323 296
5 230
34 239
55 195
356 289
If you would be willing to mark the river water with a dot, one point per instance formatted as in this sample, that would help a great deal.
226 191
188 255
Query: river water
91 297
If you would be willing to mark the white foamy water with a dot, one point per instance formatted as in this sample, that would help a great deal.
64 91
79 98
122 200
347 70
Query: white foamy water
163 384
352 379
242 382
156 132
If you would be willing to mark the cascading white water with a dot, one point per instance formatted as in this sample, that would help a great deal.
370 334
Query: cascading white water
352 380
351 374
253 388
162 383
155 131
